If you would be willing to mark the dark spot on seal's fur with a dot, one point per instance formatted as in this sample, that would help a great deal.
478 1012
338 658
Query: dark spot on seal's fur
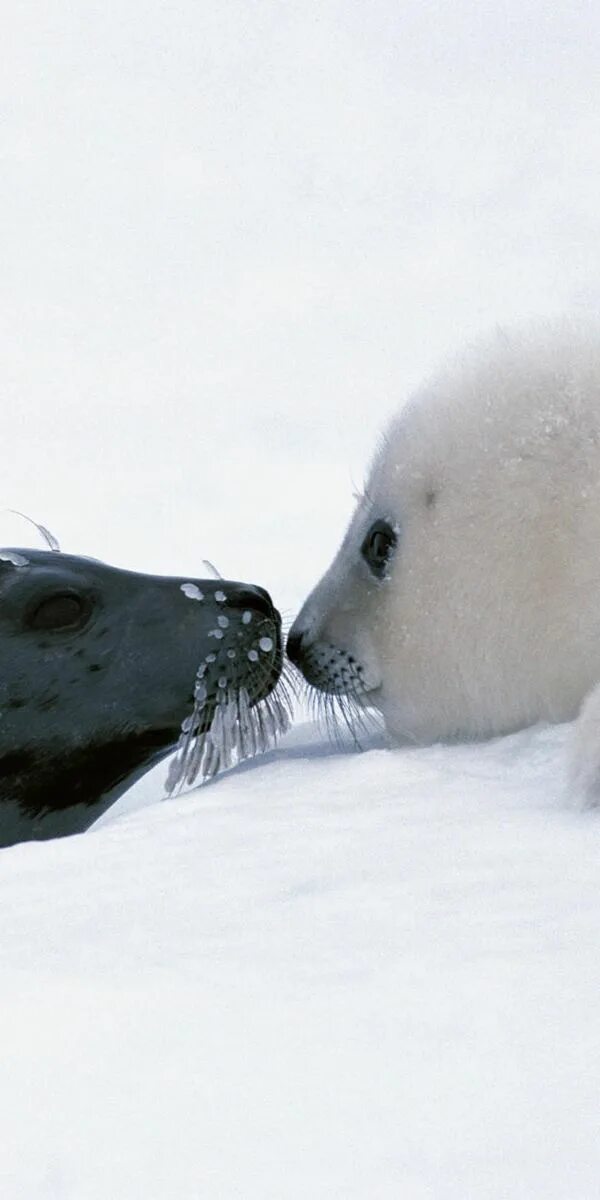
95 667
430 498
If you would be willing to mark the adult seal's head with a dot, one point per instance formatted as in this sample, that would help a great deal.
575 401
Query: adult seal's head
465 598
100 668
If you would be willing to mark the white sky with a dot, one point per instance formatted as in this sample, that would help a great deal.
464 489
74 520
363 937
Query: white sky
234 234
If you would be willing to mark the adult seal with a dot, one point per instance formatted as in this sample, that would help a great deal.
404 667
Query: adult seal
102 667
465 598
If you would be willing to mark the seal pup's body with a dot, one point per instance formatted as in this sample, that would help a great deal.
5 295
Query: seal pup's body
465 599
98 672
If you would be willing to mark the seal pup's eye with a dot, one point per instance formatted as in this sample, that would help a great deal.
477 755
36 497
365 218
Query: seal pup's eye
60 611
378 546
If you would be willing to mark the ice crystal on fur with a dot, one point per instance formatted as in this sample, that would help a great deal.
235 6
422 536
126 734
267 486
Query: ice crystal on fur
11 556
192 591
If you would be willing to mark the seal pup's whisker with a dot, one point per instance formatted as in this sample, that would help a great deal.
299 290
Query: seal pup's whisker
335 698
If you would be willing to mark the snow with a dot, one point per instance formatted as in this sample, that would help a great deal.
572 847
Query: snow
326 974
234 237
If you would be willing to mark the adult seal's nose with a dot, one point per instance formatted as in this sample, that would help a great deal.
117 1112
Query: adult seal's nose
246 595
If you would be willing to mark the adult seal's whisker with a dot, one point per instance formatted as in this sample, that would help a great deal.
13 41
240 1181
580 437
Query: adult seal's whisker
245 711
49 538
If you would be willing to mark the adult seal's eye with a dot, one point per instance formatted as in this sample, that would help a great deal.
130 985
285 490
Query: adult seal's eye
378 546
61 611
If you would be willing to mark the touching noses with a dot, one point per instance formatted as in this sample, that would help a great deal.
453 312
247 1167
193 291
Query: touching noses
294 645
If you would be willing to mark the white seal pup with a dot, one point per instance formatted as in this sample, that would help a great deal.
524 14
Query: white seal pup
465 598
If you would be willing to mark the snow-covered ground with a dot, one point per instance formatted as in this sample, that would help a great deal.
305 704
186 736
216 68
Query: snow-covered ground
233 236
358 976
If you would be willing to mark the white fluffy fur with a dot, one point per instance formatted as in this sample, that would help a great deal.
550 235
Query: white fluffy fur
490 617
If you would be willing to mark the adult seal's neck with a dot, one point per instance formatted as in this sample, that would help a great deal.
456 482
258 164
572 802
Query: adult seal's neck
43 795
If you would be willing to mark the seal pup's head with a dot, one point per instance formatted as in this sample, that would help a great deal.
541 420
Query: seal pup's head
465 598
100 667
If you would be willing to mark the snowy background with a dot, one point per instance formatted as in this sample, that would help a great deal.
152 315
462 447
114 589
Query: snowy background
233 236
